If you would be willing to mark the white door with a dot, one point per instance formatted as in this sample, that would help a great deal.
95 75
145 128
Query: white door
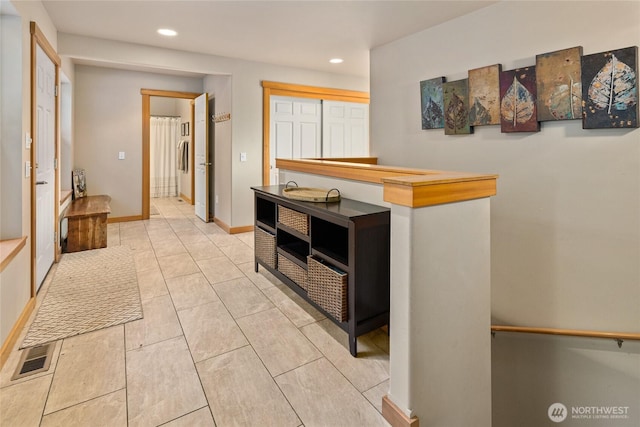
45 154
345 129
201 153
295 131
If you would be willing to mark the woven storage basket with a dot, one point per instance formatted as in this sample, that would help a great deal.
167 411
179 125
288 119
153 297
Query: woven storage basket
265 245
293 271
328 288
294 219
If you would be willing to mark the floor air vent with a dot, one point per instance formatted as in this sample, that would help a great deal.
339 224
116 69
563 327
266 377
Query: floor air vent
33 361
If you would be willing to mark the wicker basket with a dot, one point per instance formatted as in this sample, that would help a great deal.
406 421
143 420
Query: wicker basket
294 219
293 271
328 288
265 244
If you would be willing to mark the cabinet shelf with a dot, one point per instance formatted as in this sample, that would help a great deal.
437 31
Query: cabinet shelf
294 254
350 242
265 225
332 257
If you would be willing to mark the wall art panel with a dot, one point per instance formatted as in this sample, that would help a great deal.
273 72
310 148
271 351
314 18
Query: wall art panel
559 84
610 89
456 107
484 95
432 102
518 110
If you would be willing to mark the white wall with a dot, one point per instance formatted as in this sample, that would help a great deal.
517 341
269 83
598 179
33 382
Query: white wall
245 102
16 277
566 220
11 173
108 119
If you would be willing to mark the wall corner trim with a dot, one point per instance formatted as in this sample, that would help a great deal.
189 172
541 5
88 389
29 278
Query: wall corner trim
395 416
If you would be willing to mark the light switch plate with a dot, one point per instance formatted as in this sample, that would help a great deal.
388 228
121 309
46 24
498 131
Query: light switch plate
120 155
27 169
243 157
27 141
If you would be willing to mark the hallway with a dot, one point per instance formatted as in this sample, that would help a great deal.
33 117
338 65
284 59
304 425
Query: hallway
219 345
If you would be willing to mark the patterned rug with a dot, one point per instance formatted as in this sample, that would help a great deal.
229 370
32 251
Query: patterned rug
90 290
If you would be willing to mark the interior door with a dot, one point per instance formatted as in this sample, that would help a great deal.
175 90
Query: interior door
296 131
202 162
345 129
45 155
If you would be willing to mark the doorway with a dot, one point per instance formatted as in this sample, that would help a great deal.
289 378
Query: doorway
146 138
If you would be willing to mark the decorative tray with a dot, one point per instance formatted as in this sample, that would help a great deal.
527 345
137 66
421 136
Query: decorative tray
308 194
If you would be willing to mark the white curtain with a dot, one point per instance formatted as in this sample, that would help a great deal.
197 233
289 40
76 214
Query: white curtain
165 134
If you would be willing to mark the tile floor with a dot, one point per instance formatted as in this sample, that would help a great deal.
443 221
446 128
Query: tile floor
219 345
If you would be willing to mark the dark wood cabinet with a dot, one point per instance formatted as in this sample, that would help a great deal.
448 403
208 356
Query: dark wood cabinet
335 255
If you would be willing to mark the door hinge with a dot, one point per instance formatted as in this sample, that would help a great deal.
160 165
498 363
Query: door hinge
55 164
55 237
56 90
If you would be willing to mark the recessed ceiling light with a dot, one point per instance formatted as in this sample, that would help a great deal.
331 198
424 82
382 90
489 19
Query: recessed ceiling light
336 60
167 32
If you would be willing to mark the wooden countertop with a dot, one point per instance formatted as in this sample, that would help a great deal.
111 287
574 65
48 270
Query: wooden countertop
88 206
403 186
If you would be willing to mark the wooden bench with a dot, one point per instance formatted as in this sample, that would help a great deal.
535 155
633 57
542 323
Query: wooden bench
87 223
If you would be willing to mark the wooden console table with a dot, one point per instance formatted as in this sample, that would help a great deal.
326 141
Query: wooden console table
87 218
334 255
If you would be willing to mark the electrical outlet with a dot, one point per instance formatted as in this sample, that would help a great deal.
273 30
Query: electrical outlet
243 157
216 199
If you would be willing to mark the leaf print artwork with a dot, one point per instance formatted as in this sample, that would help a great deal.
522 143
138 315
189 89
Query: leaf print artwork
559 85
432 115
484 95
566 101
456 108
456 116
610 89
479 114
613 86
518 101
432 103
517 104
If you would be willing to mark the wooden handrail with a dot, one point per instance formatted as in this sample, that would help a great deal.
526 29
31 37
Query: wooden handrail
617 336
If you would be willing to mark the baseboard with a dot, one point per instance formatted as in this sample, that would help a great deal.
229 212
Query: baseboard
5 351
395 416
232 230
186 199
111 220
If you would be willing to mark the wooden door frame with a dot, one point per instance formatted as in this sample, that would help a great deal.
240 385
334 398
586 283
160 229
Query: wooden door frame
296 91
146 137
38 39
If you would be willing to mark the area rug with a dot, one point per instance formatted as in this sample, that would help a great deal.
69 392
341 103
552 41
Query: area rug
90 290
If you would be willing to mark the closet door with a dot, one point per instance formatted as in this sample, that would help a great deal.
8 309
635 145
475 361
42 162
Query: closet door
345 129
296 130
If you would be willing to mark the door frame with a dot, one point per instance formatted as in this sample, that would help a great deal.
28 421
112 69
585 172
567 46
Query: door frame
146 141
38 39
296 91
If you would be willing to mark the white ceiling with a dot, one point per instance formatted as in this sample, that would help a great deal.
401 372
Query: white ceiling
299 33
